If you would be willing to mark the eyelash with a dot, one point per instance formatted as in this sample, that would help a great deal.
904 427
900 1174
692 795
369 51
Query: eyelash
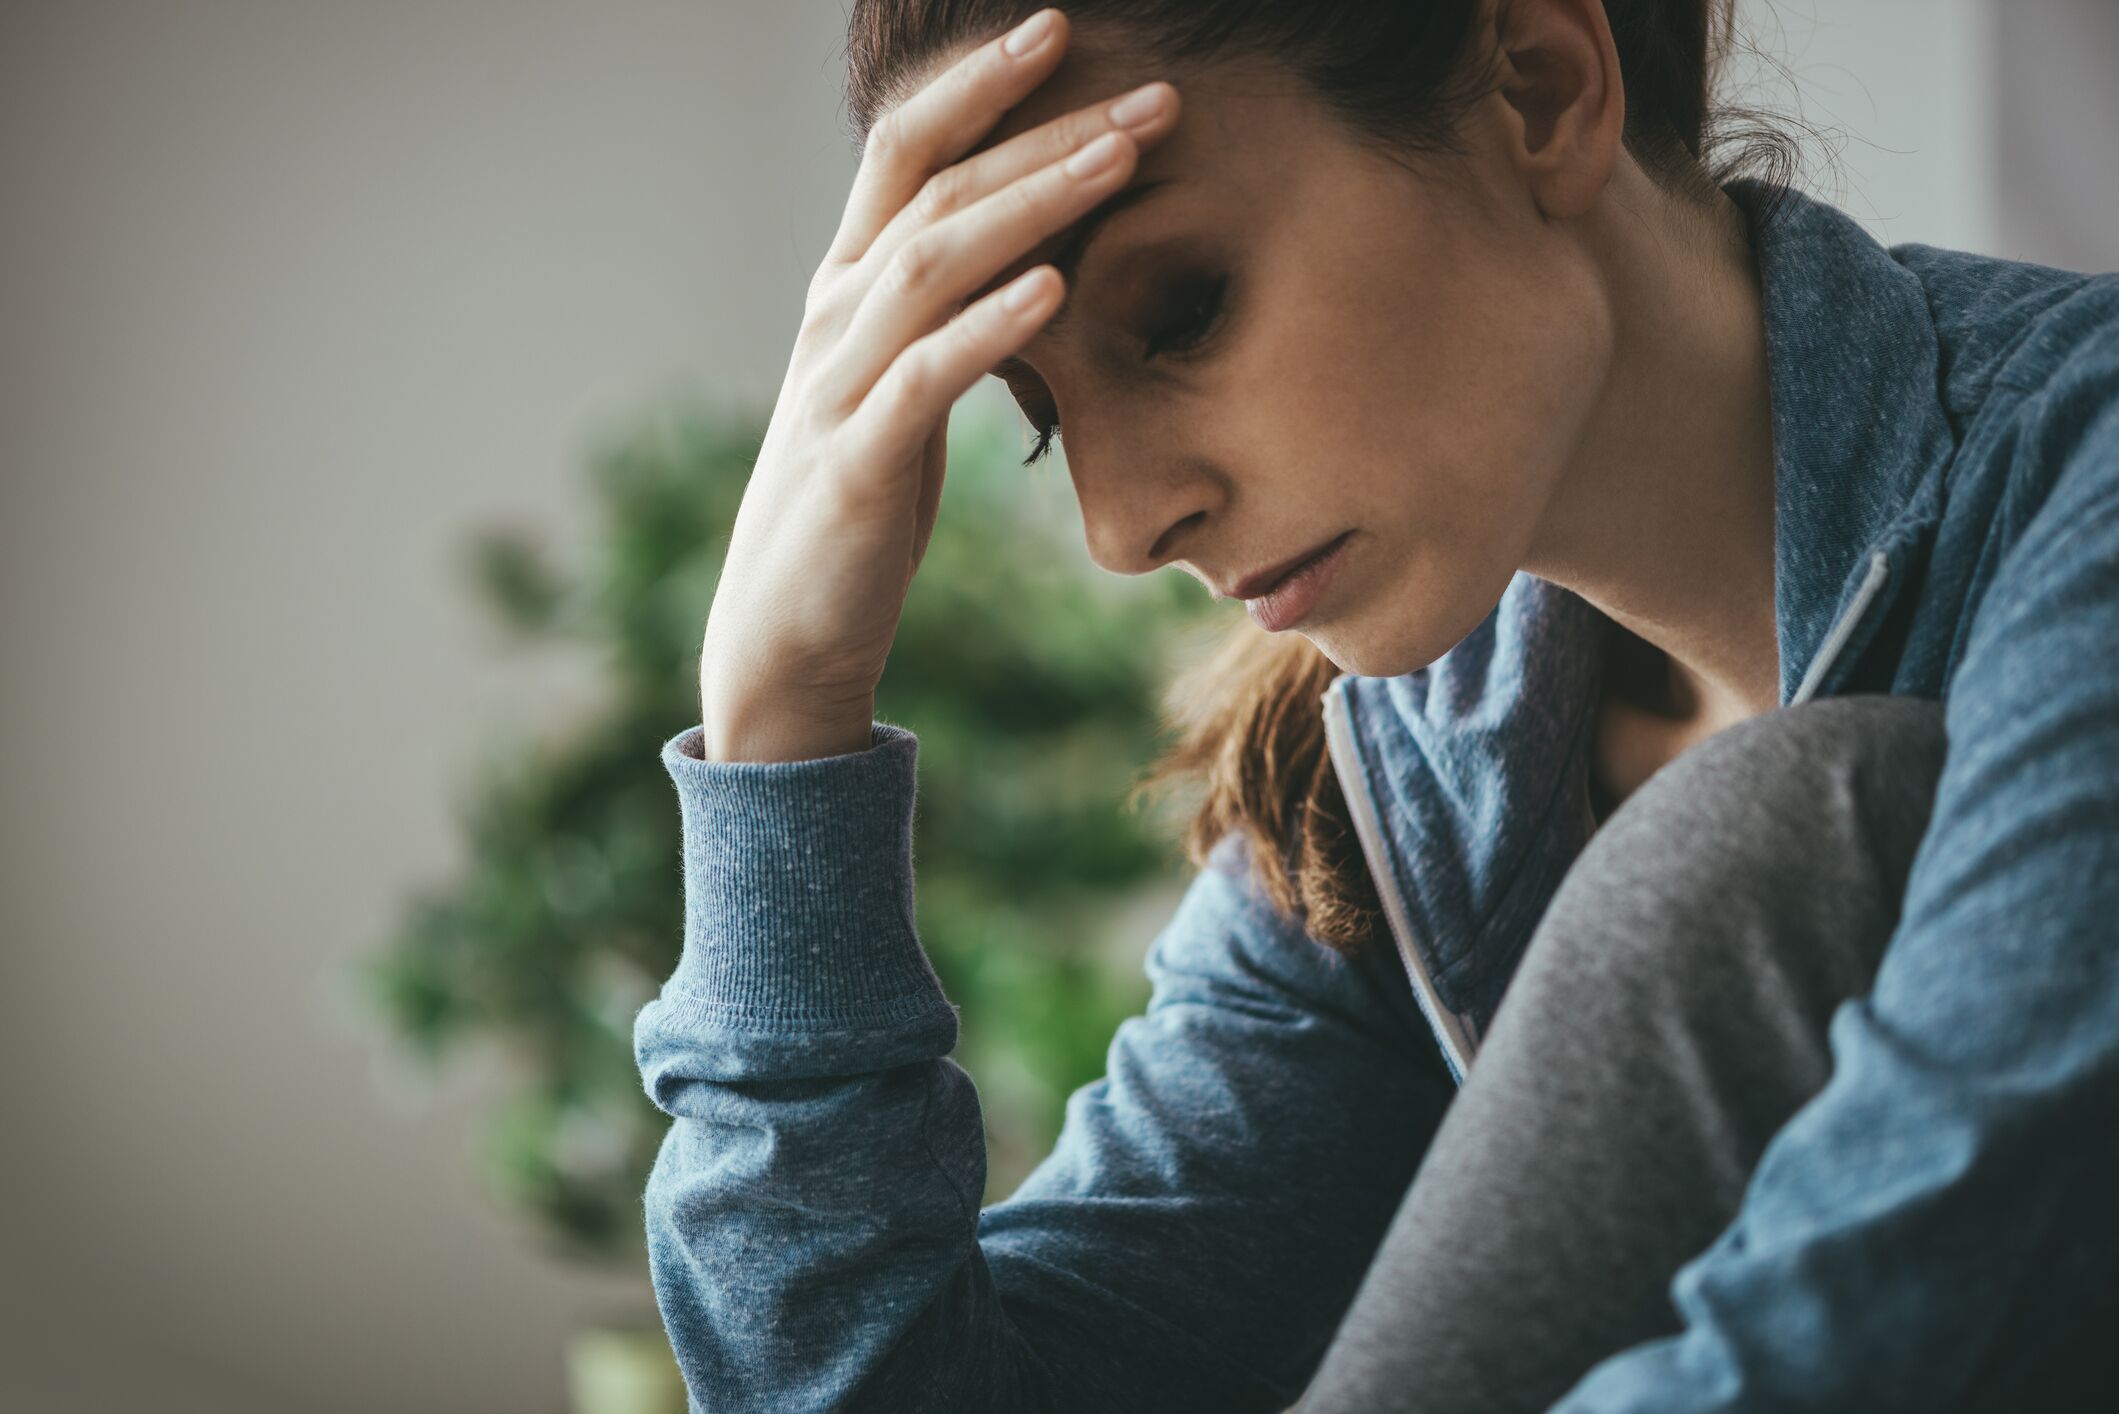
1201 319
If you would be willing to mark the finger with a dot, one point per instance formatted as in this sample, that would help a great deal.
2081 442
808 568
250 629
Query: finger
940 122
932 274
1146 114
934 463
889 428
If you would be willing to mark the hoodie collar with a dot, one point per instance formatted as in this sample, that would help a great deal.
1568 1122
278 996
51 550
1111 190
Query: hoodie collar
1478 763
1859 430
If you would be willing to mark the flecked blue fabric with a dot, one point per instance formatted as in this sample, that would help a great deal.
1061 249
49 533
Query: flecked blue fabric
1934 1224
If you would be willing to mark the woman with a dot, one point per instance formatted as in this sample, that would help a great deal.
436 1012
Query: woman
1543 455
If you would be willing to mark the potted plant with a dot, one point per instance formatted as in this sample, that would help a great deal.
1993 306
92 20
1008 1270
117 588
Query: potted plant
1033 684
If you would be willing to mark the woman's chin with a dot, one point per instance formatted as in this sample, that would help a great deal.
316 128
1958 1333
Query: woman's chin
1361 656
1389 644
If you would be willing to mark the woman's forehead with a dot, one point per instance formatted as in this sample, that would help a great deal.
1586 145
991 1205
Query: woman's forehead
1087 74
1220 96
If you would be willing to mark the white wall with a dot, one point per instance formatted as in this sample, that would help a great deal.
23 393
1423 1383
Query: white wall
1900 95
1981 124
2056 66
292 295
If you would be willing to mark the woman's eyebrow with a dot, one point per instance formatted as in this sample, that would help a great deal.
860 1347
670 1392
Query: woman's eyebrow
1074 242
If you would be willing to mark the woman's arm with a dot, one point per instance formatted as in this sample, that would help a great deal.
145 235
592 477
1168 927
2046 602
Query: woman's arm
1939 1226
813 1216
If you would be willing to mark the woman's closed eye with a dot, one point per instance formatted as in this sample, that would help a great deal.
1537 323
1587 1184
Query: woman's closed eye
1194 312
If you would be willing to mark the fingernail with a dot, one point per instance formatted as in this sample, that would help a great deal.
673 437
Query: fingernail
1139 106
1029 34
1094 158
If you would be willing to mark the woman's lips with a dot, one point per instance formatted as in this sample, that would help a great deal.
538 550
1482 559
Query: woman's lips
1251 586
1289 599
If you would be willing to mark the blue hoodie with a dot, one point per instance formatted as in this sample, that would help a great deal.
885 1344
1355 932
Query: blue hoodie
1939 1219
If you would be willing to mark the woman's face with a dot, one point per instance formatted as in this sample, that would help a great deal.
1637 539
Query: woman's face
1294 336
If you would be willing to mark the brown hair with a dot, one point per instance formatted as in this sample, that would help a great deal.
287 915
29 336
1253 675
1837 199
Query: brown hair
1250 725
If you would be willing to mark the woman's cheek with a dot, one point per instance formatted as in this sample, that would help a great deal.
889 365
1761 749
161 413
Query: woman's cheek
1447 469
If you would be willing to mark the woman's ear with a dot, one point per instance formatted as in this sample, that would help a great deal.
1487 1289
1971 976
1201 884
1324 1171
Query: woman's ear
1563 104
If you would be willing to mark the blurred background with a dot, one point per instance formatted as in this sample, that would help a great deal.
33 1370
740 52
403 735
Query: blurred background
374 379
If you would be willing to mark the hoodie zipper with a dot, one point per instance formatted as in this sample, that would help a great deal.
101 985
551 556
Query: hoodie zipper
1450 1031
1454 1034
1836 640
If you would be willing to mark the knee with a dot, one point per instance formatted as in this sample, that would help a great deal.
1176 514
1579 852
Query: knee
1792 831
1826 774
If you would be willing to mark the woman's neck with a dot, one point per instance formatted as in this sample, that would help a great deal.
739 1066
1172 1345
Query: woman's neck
1665 521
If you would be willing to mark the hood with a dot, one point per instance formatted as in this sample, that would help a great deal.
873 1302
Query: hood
1477 766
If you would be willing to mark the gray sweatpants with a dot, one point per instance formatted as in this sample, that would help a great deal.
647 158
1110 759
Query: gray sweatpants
1669 1014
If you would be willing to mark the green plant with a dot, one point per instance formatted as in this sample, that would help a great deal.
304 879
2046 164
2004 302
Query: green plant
1032 682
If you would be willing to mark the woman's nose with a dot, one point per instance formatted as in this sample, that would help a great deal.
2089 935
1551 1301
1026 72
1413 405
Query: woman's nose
1137 519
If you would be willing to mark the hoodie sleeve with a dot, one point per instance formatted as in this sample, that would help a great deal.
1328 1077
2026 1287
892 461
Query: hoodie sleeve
813 1221
1936 1228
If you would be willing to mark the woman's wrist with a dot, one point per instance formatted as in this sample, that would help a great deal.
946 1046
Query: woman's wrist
774 732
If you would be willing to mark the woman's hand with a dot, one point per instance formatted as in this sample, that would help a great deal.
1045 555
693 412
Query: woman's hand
841 501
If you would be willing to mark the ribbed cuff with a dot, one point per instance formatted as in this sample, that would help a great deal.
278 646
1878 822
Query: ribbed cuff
798 889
